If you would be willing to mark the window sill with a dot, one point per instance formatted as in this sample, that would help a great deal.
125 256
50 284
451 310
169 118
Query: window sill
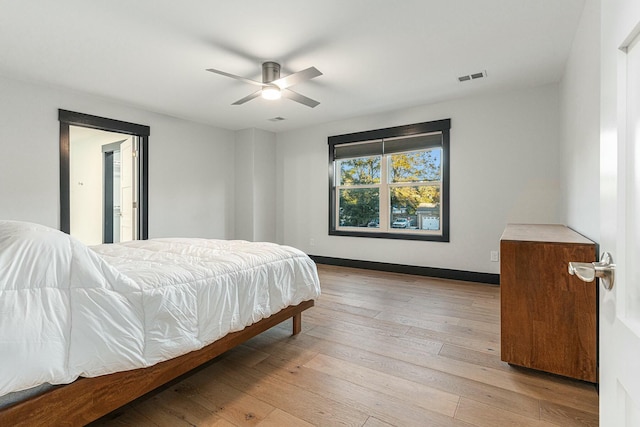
387 235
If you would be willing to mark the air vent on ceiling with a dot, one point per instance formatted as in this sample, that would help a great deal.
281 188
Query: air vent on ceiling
473 76
277 119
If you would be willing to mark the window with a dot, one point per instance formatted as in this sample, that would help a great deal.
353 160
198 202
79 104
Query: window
391 183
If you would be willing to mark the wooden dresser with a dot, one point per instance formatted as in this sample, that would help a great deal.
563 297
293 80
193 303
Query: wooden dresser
548 317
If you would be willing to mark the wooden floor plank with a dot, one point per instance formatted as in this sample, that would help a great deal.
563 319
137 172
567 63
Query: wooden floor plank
565 416
581 395
409 391
411 349
460 337
486 326
169 409
279 418
482 415
235 406
486 393
378 350
346 308
128 416
374 422
388 408
325 317
418 319
299 402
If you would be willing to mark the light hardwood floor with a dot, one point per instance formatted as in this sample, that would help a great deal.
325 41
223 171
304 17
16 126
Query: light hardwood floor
379 349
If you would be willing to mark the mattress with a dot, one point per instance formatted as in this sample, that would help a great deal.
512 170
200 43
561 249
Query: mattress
67 310
18 396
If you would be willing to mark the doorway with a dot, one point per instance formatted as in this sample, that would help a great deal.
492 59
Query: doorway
119 195
103 195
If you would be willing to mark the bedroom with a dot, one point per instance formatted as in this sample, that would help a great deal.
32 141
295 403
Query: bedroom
525 150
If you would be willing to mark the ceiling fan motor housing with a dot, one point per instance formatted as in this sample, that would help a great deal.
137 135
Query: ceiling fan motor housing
270 71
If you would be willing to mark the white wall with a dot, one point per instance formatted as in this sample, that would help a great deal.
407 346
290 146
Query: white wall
264 195
29 165
504 168
191 181
255 176
244 157
580 112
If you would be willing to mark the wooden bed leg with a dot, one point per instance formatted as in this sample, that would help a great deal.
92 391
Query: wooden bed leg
297 323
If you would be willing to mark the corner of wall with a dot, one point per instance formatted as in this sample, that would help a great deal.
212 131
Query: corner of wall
580 126
255 189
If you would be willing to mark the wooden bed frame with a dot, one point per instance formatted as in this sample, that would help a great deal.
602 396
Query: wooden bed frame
87 399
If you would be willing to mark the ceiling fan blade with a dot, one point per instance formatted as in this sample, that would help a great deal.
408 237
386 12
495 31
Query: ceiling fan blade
233 76
248 98
300 76
295 96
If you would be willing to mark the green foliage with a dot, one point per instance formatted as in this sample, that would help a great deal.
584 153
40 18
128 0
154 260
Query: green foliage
360 171
359 206
410 198
416 166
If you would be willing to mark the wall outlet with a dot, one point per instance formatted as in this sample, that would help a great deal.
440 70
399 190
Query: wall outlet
312 242
495 256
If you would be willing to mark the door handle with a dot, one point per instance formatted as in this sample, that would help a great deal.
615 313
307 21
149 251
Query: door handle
588 271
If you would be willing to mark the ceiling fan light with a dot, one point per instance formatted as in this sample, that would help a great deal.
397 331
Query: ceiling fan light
271 92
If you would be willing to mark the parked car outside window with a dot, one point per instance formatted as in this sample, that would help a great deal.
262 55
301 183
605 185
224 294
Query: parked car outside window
400 223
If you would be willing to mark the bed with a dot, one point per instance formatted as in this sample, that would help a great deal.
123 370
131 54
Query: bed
106 324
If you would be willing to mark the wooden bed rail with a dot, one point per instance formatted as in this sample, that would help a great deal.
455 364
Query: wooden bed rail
87 399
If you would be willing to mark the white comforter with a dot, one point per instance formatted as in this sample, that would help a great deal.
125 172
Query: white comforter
67 310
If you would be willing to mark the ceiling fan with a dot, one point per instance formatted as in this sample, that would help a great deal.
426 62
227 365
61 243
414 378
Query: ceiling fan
274 86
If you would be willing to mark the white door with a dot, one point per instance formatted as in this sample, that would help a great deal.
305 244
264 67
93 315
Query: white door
620 212
126 191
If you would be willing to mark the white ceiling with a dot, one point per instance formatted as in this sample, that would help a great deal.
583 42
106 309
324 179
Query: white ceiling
376 55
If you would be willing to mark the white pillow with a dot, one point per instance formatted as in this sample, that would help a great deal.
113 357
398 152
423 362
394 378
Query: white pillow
33 256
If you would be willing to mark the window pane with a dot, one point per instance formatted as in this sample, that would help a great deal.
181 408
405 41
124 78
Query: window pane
415 166
359 207
415 207
359 171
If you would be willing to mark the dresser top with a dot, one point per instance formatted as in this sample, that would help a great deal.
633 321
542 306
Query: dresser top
555 233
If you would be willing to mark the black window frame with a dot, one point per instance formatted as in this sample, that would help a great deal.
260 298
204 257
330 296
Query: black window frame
443 126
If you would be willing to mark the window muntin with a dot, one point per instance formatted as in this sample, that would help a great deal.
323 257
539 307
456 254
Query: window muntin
394 186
